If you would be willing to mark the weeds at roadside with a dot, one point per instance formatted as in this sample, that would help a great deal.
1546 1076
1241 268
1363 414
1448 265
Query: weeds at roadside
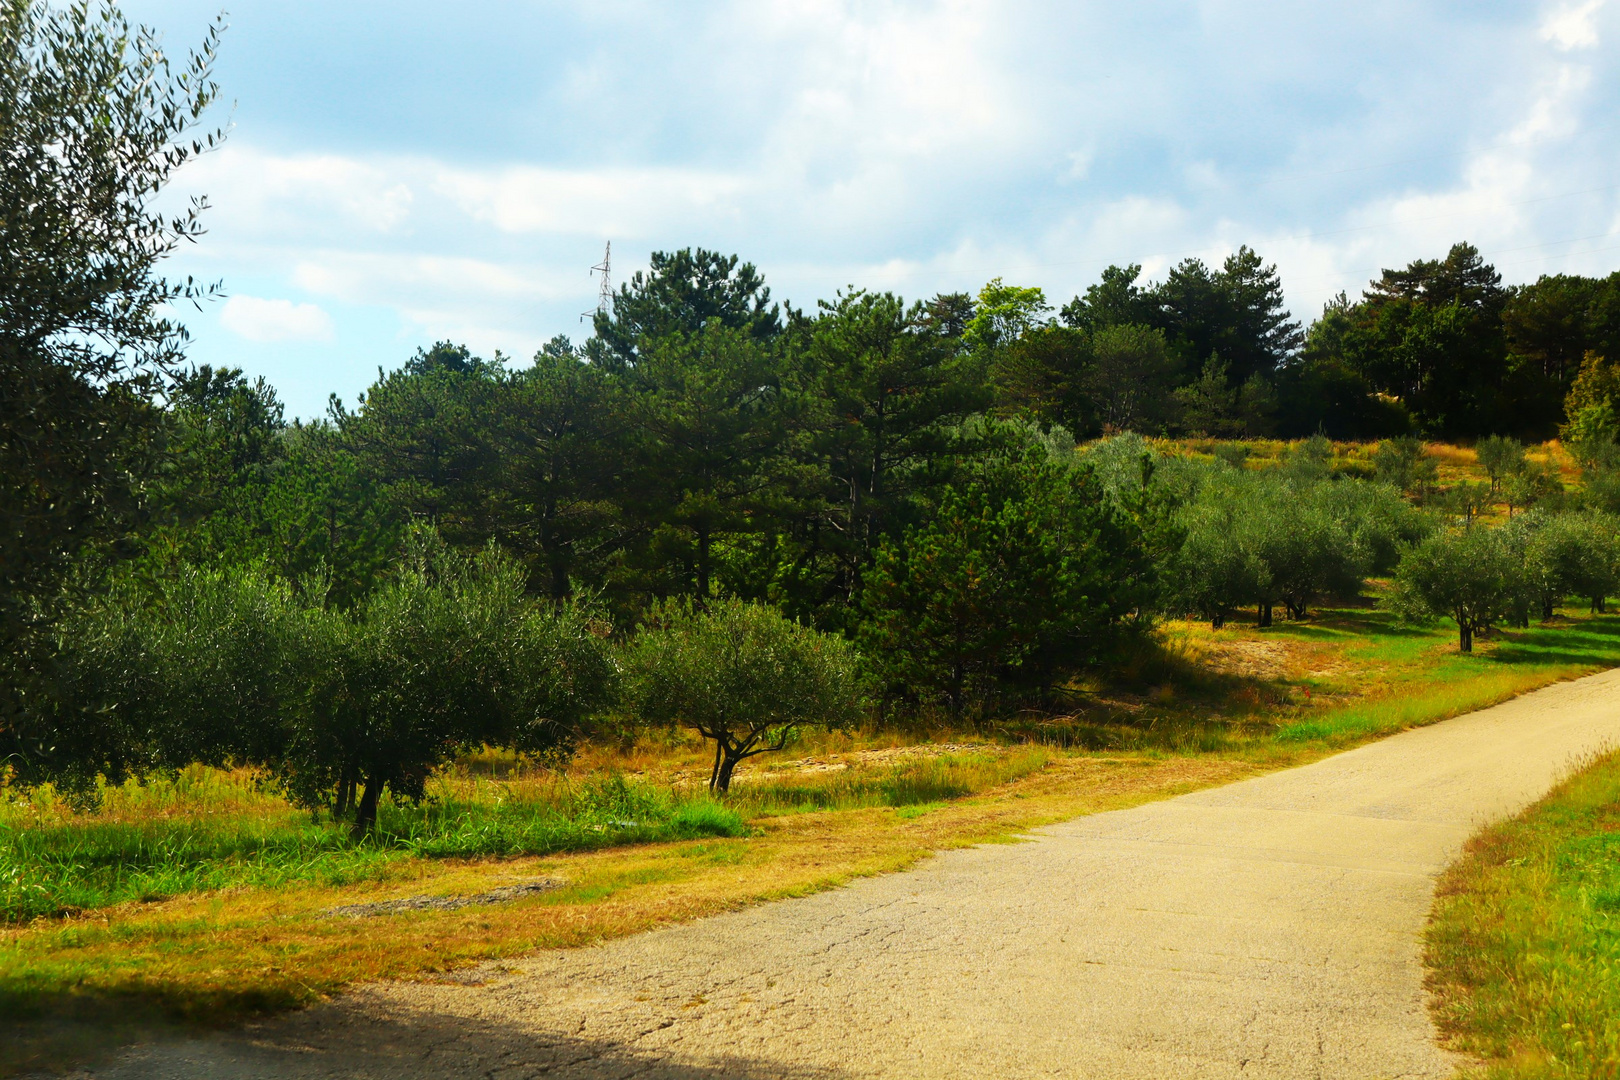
1524 943
929 781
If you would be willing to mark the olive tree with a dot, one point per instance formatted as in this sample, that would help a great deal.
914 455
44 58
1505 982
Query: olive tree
1580 554
1469 576
95 117
1539 585
197 666
1500 456
1268 538
1215 570
1379 523
447 655
1535 483
1308 552
742 675
230 665
1405 464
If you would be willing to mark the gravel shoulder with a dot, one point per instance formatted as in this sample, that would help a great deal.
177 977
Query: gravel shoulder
1269 928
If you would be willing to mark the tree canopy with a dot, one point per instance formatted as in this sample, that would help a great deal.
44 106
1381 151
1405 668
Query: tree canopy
95 117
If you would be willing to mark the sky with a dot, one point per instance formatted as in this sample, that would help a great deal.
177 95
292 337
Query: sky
399 173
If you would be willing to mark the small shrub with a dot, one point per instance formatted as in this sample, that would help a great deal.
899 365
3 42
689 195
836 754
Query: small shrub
1404 464
742 675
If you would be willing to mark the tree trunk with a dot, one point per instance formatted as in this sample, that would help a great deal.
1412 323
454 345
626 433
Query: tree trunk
365 819
703 566
1465 636
714 773
345 795
1264 618
727 764
1546 610
1217 621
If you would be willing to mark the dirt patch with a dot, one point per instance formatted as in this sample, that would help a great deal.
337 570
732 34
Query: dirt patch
1265 660
888 755
501 895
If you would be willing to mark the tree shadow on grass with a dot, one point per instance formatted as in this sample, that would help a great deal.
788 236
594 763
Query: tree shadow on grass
118 1038
1337 624
1518 653
1588 642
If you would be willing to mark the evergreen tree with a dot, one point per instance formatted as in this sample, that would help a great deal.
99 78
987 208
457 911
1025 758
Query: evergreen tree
1025 573
877 389
1431 336
679 294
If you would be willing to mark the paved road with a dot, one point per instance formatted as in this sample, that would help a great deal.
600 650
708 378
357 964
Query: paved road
1265 929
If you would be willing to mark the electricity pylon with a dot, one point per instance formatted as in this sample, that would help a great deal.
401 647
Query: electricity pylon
604 297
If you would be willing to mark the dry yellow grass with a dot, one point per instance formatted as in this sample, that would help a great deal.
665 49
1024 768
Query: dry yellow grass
1456 463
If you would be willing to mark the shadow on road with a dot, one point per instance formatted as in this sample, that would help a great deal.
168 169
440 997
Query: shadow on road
397 1044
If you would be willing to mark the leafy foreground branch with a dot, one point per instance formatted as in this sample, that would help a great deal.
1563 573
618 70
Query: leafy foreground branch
1524 946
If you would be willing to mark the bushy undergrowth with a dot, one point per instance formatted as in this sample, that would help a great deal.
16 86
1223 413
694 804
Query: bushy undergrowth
80 862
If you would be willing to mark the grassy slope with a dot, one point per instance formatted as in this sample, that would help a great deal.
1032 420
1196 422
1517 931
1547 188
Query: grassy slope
1456 463
245 935
1524 946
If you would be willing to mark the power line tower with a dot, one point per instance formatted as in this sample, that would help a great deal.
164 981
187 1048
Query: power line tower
604 296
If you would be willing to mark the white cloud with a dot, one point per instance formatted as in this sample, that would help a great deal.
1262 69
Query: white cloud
897 80
483 303
924 145
274 193
275 320
607 202
1570 26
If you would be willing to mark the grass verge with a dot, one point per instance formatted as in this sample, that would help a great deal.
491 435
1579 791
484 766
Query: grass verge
1524 944
220 831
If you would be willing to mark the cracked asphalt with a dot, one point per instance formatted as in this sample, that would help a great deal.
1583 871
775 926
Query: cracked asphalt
1269 928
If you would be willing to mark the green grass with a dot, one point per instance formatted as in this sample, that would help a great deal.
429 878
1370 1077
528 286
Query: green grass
1524 944
203 831
77 864
1443 699
1452 684
1355 673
